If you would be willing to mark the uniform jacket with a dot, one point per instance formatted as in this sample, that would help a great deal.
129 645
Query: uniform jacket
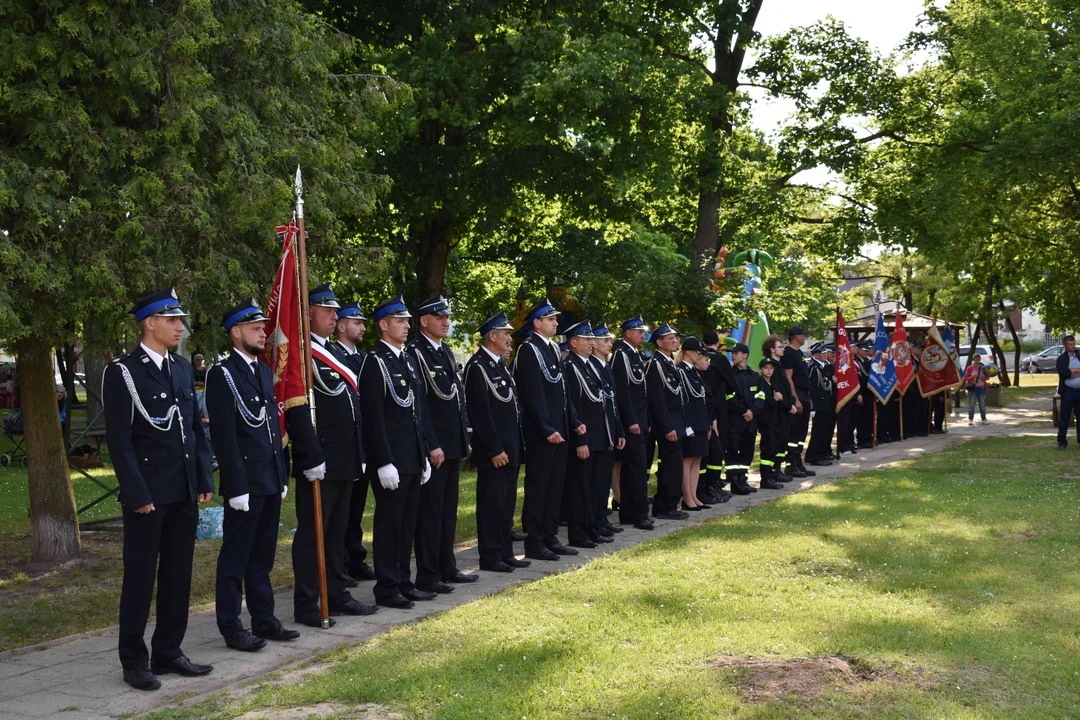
666 410
586 394
354 360
251 459
611 409
748 395
720 379
153 465
822 392
337 438
544 404
494 411
628 368
445 397
769 417
396 429
696 399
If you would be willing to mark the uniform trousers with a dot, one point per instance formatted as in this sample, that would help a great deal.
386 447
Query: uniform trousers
496 498
244 564
581 477
771 442
634 481
436 525
159 543
740 448
668 475
545 472
356 553
845 427
602 488
821 435
798 425
335 516
395 527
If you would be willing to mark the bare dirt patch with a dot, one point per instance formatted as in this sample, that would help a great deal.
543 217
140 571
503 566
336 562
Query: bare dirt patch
325 710
765 678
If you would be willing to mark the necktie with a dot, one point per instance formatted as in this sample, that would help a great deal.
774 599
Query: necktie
165 369
255 368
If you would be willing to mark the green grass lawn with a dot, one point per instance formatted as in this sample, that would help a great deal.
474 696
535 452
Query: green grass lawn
84 595
951 583
1031 386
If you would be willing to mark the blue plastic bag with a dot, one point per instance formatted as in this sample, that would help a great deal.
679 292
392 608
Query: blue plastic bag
211 523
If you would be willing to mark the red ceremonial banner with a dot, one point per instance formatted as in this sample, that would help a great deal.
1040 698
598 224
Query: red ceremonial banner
937 371
284 348
845 373
901 352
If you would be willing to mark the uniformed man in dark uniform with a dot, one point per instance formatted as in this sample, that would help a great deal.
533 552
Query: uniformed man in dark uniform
601 353
794 366
864 425
628 366
398 445
498 448
436 524
823 398
548 420
586 395
744 403
350 330
720 379
254 480
335 456
162 462
668 423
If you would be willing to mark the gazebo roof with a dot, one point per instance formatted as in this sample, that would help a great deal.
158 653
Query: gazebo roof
912 321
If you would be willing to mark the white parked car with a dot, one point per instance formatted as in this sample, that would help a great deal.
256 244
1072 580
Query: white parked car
985 351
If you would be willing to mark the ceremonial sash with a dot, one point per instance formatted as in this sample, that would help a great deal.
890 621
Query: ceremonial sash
320 353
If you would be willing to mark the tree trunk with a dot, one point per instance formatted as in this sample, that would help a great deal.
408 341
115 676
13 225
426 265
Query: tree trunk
1016 343
65 362
974 339
53 519
431 238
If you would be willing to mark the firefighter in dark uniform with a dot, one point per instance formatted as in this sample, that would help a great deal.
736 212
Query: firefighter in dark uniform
586 395
823 397
398 446
720 380
448 425
331 451
254 480
744 403
601 353
798 378
162 462
350 330
548 420
667 419
864 425
498 448
628 366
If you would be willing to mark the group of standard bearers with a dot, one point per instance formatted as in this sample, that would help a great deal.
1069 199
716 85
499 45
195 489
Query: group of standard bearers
401 420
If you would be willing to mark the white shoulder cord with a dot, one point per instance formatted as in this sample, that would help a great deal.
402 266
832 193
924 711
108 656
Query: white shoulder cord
491 385
543 365
585 387
690 386
637 380
252 420
322 387
408 401
430 379
672 390
163 424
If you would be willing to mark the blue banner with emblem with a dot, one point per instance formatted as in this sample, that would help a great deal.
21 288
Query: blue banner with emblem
882 380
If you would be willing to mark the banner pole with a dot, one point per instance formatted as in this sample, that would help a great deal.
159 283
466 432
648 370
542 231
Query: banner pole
309 375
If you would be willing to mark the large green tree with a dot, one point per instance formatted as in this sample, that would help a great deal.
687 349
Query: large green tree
149 144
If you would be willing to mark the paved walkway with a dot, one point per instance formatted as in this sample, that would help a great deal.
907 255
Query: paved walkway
80 676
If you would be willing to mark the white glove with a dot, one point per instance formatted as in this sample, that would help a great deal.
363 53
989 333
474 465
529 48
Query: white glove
363 468
388 477
284 492
689 432
812 414
316 473
240 502
426 474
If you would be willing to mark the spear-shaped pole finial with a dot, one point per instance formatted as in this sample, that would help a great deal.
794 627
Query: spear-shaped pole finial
299 185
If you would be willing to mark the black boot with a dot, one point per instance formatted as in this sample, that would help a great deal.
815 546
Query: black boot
767 482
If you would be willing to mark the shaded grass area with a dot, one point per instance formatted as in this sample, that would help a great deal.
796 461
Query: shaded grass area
84 595
1031 387
955 575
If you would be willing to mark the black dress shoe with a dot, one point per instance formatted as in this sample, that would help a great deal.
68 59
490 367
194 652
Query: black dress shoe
352 607
542 554
314 621
517 537
1063 447
822 463
614 504
418 594
460 577
809 472
603 539
180 666
560 549
611 529
141 679
244 642
497 566
362 571
273 631
398 602
515 563
439 588
586 544
672 515
351 582
644 525
692 508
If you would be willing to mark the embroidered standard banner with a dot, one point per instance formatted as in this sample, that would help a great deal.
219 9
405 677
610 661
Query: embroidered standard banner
938 371
901 353
846 373
882 379
284 353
